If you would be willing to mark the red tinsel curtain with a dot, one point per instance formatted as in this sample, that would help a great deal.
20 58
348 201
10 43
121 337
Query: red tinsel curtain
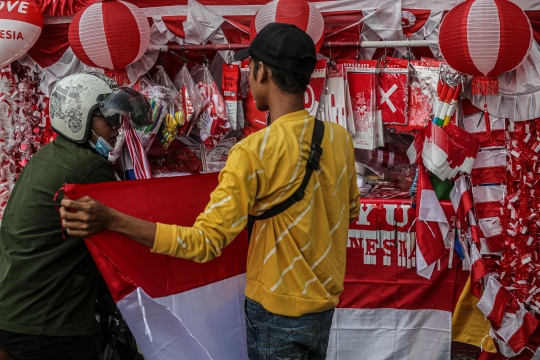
62 7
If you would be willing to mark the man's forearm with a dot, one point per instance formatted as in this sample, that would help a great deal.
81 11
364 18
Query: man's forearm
142 231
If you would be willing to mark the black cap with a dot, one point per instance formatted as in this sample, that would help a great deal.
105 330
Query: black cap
283 46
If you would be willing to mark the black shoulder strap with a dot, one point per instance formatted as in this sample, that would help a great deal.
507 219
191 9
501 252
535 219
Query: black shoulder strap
312 164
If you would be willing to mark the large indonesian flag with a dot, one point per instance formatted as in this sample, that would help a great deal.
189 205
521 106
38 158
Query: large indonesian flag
178 309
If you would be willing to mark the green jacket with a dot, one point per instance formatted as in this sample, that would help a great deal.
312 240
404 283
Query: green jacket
48 285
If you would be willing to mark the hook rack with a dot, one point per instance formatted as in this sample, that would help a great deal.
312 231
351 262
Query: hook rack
343 44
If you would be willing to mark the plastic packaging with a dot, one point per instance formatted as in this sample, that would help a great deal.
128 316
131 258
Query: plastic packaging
191 99
362 80
393 91
232 93
212 120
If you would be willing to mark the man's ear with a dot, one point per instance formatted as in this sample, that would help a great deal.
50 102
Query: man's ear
264 73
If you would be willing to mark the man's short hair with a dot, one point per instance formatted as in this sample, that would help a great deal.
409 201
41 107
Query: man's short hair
288 82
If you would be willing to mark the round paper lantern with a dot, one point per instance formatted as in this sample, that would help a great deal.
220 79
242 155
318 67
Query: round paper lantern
485 38
297 12
21 23
109 35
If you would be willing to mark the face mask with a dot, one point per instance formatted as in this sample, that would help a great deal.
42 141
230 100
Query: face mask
102 147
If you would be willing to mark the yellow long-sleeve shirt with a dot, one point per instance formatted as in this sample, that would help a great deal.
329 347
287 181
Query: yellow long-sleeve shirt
296 260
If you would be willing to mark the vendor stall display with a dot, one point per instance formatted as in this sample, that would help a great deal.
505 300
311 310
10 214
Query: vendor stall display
446 150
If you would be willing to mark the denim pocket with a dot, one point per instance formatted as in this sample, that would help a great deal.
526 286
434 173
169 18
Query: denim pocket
288 343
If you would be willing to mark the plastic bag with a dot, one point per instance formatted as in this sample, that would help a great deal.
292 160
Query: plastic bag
177 160
393 91
335 97
158 97
212 120
232 93
191 99
362 81
175 118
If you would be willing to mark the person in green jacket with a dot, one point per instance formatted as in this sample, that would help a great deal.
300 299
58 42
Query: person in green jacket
48 280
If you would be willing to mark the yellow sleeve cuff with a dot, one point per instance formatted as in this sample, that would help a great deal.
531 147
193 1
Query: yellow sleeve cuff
165 240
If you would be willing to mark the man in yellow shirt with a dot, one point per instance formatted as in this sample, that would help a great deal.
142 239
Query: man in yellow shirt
296 259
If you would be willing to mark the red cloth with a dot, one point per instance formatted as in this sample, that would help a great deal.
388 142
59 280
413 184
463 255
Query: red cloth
166 200
51 45
62 7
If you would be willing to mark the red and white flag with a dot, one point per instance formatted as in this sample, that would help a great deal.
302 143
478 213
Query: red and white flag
179 309
478 271
488 200
176 309
475 125
511 322
491 230
431 226
489 168
494 302
461 199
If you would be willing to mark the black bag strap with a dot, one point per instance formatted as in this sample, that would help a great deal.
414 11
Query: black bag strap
312 164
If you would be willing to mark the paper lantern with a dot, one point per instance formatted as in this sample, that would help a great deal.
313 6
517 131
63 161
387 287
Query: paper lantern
297 12
110 35
21 23
485 38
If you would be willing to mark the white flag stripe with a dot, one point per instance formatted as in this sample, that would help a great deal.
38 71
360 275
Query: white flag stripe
511 324
484 248
387 334
430 208
488 193
490 226
473 124
459 189
488 298
178 321
493 158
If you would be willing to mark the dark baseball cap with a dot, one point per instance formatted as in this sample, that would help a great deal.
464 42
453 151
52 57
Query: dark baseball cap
283 46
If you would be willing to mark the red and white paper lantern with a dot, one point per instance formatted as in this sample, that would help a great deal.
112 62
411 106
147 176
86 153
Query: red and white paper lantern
485 38
21 23
297 12
110 35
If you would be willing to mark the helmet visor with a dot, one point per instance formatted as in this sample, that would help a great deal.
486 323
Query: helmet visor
125 102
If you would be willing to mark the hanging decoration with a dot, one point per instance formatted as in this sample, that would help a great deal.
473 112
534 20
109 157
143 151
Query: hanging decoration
485 38
21 23
24 124
110 35
297 12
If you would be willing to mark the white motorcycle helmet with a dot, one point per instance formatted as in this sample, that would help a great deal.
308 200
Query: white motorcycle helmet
73 101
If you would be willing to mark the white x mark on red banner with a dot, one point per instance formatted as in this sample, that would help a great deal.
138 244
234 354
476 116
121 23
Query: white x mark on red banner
385 97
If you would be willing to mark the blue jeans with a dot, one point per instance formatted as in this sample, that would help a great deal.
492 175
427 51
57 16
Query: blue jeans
277 337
